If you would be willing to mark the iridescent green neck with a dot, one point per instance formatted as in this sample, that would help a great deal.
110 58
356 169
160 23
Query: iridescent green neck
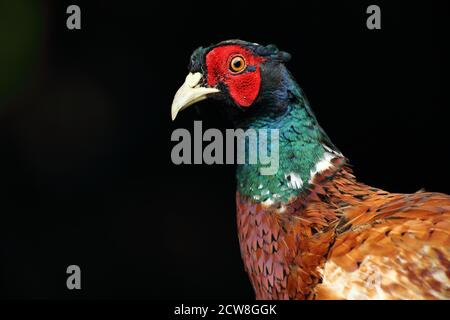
304 150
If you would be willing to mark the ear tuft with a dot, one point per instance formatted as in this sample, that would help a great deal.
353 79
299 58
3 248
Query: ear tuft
273 52
284 56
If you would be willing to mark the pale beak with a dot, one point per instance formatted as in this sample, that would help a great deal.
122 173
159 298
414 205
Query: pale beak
189 93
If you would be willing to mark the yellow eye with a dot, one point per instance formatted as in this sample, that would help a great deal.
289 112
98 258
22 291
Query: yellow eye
237 64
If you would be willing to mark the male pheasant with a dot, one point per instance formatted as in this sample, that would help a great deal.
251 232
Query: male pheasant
311 230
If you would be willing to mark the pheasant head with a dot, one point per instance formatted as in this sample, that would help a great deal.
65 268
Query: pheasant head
258 92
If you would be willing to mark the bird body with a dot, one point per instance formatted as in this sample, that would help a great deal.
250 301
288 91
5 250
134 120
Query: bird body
346 240
311 230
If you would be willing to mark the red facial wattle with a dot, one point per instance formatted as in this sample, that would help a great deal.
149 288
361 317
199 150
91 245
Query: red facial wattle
244 86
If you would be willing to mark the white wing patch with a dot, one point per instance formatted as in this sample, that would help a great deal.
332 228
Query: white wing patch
294 180
323 164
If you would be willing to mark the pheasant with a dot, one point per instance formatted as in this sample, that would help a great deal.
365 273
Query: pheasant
311 230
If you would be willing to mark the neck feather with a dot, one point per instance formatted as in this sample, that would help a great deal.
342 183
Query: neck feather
304 148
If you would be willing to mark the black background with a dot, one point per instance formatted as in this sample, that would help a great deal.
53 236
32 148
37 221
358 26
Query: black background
85 171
